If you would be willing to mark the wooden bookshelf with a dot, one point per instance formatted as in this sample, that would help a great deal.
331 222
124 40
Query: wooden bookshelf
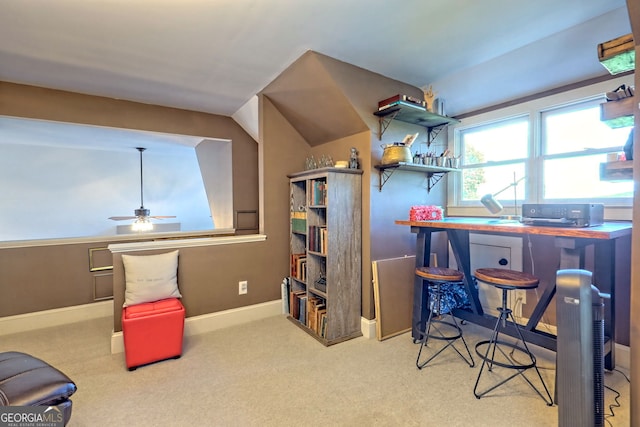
325 294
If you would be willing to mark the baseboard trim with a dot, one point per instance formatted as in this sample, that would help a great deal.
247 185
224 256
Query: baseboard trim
368 327
193 325
623 356
213 321
55 317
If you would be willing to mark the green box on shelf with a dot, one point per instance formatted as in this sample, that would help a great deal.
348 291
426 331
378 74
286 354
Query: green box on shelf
299 225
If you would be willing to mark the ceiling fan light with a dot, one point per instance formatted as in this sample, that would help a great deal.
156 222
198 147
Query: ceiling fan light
142 224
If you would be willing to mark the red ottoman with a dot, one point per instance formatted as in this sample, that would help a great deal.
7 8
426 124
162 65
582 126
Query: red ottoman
152 331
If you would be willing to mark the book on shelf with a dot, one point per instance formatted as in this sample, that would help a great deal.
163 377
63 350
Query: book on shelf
405 99
323 240
299 222
312 312
323 324
294 303
318 238
298 266
320 313
302 269
318 193
302 311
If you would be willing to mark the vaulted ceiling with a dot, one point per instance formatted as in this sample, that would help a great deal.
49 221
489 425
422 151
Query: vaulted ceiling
215 55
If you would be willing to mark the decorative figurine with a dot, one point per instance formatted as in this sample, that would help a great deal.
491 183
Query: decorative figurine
429 98
353 158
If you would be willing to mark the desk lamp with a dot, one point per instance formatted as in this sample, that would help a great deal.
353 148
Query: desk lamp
489 201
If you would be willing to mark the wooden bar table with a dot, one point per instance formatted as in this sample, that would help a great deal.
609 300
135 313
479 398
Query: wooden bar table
572 242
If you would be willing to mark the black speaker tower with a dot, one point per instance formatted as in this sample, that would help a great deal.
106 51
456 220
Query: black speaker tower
580 350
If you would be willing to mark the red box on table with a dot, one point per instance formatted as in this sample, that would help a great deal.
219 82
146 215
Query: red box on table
425 213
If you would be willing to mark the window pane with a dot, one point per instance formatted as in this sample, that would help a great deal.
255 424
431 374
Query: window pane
579 178
490 180
569 131
499 142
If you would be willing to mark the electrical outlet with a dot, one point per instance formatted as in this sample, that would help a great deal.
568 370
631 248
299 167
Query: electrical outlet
242 287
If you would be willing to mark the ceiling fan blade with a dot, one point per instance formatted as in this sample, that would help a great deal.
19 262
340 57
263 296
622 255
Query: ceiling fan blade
121 218
162 216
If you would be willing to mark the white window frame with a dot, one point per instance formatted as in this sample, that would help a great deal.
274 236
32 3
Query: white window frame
532 109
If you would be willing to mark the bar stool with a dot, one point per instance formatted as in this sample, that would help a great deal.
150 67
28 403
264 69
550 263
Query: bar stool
495 354
437 280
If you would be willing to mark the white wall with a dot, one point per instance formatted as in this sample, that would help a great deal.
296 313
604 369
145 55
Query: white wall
57 192
564 58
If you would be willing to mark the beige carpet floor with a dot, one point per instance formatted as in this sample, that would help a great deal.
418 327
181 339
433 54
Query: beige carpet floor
270 373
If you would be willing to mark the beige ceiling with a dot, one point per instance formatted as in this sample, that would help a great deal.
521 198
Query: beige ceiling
215 55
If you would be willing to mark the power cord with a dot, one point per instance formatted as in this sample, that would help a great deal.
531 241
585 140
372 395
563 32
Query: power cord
623 374
616 402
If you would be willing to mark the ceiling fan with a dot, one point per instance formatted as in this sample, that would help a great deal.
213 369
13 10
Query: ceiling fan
142 216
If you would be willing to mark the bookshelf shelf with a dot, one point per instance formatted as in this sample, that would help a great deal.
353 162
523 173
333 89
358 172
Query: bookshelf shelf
318 292
325 294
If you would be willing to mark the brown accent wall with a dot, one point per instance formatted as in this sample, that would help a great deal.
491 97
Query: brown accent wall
329 105
208 277
383 238
45 277
52 276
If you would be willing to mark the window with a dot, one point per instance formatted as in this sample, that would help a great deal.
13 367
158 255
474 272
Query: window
494 156
575 142
543 151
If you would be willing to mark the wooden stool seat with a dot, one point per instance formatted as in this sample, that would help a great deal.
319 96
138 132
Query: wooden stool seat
506 279
439 273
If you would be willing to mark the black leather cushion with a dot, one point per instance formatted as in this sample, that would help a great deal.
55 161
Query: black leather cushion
28 381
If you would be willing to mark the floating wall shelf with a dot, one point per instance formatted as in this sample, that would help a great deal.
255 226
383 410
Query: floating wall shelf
415 115
616 171
618 113
434 173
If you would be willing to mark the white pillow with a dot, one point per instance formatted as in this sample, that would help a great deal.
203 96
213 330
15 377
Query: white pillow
150 277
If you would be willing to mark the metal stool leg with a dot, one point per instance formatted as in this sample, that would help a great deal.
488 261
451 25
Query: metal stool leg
425 338
469 361
494 344
441 336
